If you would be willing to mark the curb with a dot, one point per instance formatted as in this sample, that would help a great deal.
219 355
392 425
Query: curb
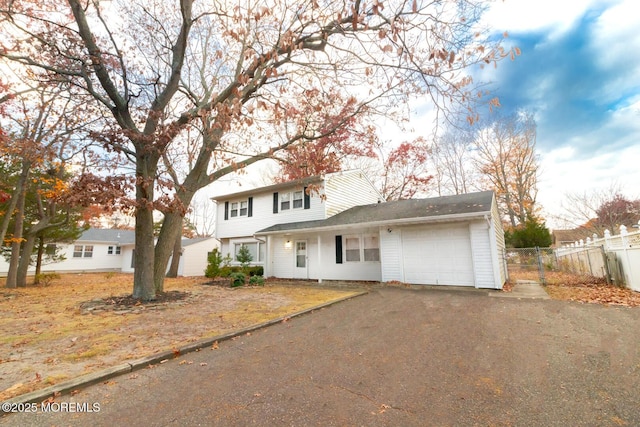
55 390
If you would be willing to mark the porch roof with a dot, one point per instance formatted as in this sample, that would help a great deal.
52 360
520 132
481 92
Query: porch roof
446 208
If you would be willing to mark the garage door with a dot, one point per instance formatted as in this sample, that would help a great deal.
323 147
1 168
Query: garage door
437 255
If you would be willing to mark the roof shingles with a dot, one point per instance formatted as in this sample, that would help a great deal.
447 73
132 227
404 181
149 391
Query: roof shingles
447 206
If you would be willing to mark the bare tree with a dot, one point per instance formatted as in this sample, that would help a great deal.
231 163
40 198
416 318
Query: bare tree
451 161
505 156
239 74
597 210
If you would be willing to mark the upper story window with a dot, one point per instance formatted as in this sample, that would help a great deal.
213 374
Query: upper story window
234 209
285 201
297 199
238 209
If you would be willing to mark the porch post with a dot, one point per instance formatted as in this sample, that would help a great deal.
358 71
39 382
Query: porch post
267 258
319 259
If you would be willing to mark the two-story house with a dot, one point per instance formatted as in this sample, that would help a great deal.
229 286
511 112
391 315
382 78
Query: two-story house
337 227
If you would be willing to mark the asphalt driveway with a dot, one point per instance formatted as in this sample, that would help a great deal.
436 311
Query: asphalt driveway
394 357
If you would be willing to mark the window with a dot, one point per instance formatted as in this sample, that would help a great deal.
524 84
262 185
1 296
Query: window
352 251
77 251
371 248
113 250
88 251
80 251
238 209
256 249
285 201
297 199
362 248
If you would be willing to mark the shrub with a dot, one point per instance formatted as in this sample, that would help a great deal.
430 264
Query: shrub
45 279
214 264
244 257
237 279
226 269
256 280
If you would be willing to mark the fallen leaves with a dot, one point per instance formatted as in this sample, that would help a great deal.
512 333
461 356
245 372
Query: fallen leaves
585 289
595 294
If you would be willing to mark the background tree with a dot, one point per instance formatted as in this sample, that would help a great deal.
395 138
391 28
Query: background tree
505 156
450 159
532 233
235 73
405 171
597 210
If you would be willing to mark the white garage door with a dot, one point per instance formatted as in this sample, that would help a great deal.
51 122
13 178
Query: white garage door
437 255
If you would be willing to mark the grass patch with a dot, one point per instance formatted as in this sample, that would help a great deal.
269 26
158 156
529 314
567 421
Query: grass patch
46 333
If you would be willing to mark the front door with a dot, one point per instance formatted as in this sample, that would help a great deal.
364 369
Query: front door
301 260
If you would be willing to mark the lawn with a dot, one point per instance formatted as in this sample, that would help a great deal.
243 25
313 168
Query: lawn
80 323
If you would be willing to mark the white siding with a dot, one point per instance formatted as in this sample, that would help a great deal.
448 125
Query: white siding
281 264
391 254
194 258
100 261
482 255
498 247
345 190
263 215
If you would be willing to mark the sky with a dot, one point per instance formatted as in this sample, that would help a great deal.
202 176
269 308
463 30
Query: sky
579 73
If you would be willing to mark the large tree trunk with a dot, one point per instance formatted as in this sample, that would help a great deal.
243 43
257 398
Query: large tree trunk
12 274
143 287
143 276
170 231
175 258
25 259
39 256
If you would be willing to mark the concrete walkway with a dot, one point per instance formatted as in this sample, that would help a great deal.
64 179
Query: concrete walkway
524 289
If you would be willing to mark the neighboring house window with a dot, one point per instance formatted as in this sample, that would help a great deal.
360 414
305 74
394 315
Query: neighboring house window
297 199
234 209
362 248
285 201
255 249
352 249
113 250
243 208
83 251
371 248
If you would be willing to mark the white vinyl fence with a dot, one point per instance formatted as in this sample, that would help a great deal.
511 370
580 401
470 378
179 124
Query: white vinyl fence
620 263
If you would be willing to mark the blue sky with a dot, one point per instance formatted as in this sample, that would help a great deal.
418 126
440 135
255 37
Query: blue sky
579 72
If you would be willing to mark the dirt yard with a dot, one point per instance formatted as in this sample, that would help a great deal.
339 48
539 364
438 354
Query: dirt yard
82 323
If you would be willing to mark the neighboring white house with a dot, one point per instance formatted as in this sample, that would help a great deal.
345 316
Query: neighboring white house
103 250
344 231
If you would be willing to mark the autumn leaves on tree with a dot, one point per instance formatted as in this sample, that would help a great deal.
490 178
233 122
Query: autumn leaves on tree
183 93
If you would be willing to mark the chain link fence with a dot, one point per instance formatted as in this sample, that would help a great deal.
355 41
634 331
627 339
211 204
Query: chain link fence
530 263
